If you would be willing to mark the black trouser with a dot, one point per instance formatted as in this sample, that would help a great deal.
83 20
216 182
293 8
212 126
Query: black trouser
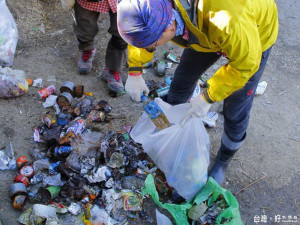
236 107
87 29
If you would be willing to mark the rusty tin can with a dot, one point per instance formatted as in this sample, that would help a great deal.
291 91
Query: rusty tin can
64 99
21 179
79 91
67 86
48 120
19 202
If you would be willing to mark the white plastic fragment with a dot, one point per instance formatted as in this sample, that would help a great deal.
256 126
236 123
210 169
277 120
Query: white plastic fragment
37 136
50 101
74 208
38 82
261 88
210 119
99 216
7 158
44 211
161 219
101 174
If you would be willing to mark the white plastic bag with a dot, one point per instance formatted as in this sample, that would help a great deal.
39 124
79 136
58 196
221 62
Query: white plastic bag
161 219
8 36
13 83
182 153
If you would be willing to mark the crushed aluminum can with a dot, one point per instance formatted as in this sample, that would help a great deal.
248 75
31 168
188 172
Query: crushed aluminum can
22 161
78 126
66 139
19 202
132 201
53 168
45 92
27 171
62 151
49 121
22 179
63 119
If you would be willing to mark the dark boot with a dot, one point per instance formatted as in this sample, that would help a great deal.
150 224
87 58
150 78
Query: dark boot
219 168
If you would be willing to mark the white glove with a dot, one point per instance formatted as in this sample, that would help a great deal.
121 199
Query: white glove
199 108
135 86
67 4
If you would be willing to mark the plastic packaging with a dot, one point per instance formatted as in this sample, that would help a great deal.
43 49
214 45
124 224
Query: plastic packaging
7 158
186 170
13 83
99 216
157 116
210 192
161 219
261 87
8 36
172 57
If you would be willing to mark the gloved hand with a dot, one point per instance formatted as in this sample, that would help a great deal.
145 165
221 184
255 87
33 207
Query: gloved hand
135 86
67 4
199 108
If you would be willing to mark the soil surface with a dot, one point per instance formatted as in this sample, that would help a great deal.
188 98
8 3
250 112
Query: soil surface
47 49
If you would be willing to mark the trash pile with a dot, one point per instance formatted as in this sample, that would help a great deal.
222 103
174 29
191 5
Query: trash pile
80 174
13 83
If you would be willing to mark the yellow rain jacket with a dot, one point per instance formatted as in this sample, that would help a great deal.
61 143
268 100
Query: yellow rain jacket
242 29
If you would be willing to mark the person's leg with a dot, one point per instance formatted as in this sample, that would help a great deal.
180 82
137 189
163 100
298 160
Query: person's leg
236 110
192 65
85 31
115 57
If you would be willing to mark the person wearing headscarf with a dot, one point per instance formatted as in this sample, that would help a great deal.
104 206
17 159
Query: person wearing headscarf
242 31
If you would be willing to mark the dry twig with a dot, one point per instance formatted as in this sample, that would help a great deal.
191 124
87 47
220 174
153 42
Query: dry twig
249 185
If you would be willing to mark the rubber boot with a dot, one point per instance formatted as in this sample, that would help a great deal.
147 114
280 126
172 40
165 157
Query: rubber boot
219 168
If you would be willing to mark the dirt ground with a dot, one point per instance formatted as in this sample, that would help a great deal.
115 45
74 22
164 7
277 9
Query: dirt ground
47 49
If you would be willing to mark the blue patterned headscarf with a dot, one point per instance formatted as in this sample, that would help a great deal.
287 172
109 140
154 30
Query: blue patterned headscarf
142 22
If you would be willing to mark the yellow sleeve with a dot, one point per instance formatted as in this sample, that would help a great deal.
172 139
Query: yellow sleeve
243 48
136 58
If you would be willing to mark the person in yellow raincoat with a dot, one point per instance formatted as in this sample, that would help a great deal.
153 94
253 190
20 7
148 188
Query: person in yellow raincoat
244 31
